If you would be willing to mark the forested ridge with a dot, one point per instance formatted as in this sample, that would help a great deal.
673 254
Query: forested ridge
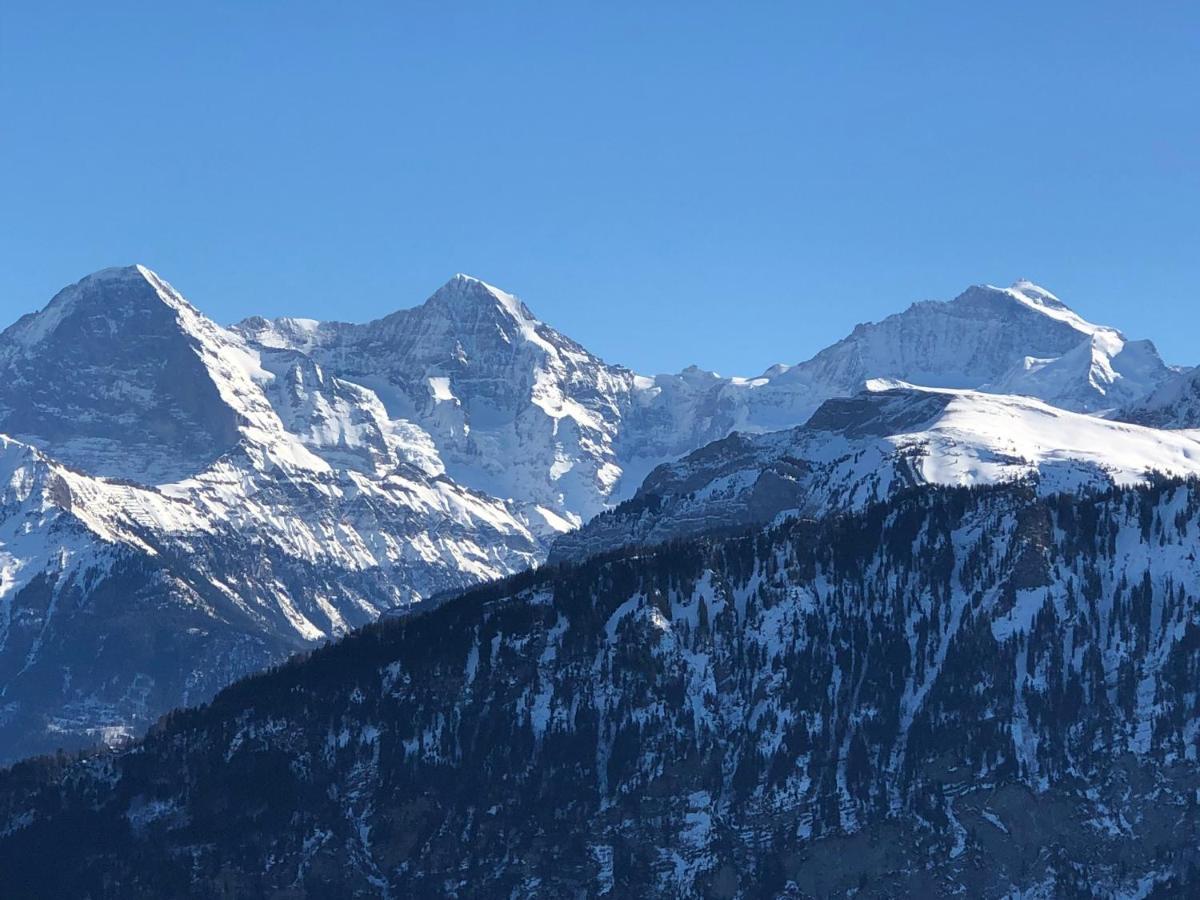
958 690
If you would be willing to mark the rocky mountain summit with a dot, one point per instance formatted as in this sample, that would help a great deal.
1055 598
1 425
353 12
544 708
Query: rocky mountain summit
516 409
125 597
186 503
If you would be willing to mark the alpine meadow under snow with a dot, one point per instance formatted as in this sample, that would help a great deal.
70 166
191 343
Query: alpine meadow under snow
866 607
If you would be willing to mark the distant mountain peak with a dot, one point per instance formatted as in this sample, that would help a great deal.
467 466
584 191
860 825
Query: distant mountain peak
134 275
1026 296
1037 297
120 376
116 273
119 289
466 292
449 441
1037 293
470 280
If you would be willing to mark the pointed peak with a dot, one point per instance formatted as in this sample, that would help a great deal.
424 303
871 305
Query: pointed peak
1027 295
1036 293
135 274
465 285
115 283
132 272
466 292
115 290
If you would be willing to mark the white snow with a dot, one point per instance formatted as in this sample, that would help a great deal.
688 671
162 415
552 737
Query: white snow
982 438
451 443
439 389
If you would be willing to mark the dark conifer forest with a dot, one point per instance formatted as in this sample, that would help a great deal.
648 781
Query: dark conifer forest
981 690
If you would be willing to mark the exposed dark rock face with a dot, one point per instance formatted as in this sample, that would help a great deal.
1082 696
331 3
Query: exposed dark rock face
110 376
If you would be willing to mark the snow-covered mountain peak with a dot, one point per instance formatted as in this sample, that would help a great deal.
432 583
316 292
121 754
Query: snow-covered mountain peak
1036 293
117 295
1045 302
515 408
1019 340
1030 296
120 376
465 295
234 499
472 283
987 337
1022 304
511 406
323 471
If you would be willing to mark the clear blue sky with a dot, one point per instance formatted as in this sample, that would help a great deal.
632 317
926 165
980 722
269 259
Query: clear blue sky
727 184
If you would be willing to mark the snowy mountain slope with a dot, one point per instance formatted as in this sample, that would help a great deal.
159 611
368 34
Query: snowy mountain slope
516 409
155 596
122 377
960 692
1021 340
265 539
1174 404
291 478
889 438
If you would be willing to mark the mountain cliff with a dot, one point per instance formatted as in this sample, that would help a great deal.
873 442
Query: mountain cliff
1173 404
516 409
215 498
124 598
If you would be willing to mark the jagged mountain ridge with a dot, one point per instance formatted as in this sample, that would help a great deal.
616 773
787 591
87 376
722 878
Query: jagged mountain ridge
961 691
261 545
488 384
145 598
372 465
517 409
889 438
